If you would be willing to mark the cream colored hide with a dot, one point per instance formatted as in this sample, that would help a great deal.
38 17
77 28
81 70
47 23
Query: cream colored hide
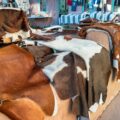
101 37
47 30
4 117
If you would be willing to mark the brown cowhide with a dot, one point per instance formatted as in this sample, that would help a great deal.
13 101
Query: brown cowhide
21 109
13 21
114 31
88 21
39 52
21 78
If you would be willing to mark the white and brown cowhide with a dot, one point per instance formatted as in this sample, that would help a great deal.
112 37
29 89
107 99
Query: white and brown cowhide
14 26
75 57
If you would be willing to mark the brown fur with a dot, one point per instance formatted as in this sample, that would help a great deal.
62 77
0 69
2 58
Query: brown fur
88 22
41 37
113 30
20 77
22 109
39 52
15 20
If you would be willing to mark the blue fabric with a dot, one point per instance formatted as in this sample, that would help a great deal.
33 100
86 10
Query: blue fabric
74 6
4 1
90 4
85 15
93 2
79 2
72 18
96 1
93 14
117 2
111 16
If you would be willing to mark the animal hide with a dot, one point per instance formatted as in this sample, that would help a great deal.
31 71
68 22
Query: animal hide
68 72
114 32
21 78
69 83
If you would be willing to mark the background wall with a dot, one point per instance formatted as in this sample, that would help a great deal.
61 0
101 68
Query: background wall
35 6
45 7
52 9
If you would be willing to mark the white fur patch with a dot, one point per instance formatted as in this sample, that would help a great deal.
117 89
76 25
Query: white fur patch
28 42
36 31
118 56
101 99
115 64
4 116
55 100
79 28
73 98
84 48
44 32
60 28
40 32
118 80
56 66
15 35
79 70
94 107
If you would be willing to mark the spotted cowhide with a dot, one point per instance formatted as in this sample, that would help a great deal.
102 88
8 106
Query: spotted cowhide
78 70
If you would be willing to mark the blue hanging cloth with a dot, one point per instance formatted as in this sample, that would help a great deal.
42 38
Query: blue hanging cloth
91 2
74 5
79 2
117 2
96 3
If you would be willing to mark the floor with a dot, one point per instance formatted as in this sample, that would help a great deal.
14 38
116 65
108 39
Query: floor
110 109
113 110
